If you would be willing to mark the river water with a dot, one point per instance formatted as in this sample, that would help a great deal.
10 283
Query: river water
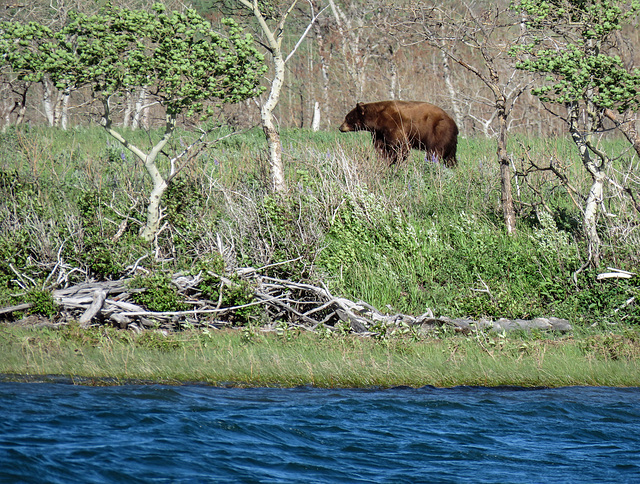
61 433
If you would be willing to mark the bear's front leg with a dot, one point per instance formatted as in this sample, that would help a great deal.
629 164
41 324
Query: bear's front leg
387 151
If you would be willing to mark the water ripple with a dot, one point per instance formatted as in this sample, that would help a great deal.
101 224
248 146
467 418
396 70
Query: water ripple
61 433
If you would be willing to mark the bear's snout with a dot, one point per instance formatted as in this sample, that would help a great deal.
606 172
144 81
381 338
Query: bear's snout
345 127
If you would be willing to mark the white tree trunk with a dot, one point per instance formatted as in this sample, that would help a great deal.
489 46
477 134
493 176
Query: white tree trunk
594 199
160 185
128 110
140 110
274 43
8 105
446 72
48 103
315 123
596 192
278 183
152 226
62 110
393 82
325 60
55 104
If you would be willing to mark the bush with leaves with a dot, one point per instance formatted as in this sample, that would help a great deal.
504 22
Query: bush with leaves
175 55
156 293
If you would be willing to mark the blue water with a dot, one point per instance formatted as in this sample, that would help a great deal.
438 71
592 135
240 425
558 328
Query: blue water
60 433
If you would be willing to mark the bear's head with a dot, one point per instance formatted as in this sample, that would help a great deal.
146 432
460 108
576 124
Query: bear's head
355 120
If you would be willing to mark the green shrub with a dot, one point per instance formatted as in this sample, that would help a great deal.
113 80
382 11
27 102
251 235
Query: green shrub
406 238
228 292
158 293
43 303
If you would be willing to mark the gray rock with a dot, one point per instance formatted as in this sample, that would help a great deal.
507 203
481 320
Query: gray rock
465 325
559 324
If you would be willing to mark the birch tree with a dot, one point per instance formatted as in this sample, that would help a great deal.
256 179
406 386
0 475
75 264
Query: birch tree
572 46
274 30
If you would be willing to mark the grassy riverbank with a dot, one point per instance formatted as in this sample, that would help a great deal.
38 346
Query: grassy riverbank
253 358
406 238
410 239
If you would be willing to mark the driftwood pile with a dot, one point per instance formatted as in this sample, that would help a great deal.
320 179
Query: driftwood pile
295 304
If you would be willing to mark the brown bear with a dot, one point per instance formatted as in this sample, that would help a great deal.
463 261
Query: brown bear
398 126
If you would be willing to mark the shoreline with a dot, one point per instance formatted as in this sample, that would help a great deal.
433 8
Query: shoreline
249 358
76 380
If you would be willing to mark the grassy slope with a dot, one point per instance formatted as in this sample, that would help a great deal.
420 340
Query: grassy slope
408 238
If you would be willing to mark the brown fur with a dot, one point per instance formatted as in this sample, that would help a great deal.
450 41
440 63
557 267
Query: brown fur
398 126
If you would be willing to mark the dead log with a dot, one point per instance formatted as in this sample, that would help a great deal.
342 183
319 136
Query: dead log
13 309
298 304
99 295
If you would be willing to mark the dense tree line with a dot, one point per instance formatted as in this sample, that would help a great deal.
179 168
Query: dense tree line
355 51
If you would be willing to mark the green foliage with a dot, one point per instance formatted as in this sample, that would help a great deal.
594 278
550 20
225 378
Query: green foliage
239 293
229 292
408 239
579 67
158 341
288 226
119 49
42 303
363 222
180 201
609 347
251 357
114 153
30 49
102 254
175 55
606 302
158 293
210 269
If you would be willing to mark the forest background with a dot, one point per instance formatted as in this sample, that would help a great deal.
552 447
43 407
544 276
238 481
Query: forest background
409 238
353 53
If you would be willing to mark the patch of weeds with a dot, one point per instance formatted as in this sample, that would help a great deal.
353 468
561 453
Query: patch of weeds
249 335
209 269
293 225
240 293
114 153
105 253
612 346
158 341
285 332
181 202
101 337
365 222
159 293
227 292
43 303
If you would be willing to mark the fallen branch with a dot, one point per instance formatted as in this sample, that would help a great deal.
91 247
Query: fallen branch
13 309
296 304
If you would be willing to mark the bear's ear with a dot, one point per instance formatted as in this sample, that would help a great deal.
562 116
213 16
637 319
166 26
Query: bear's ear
360 107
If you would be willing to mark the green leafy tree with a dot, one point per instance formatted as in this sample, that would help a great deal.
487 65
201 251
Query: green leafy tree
572 45
20 58
176 56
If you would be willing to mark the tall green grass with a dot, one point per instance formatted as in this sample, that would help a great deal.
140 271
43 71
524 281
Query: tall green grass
291 359
406 238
